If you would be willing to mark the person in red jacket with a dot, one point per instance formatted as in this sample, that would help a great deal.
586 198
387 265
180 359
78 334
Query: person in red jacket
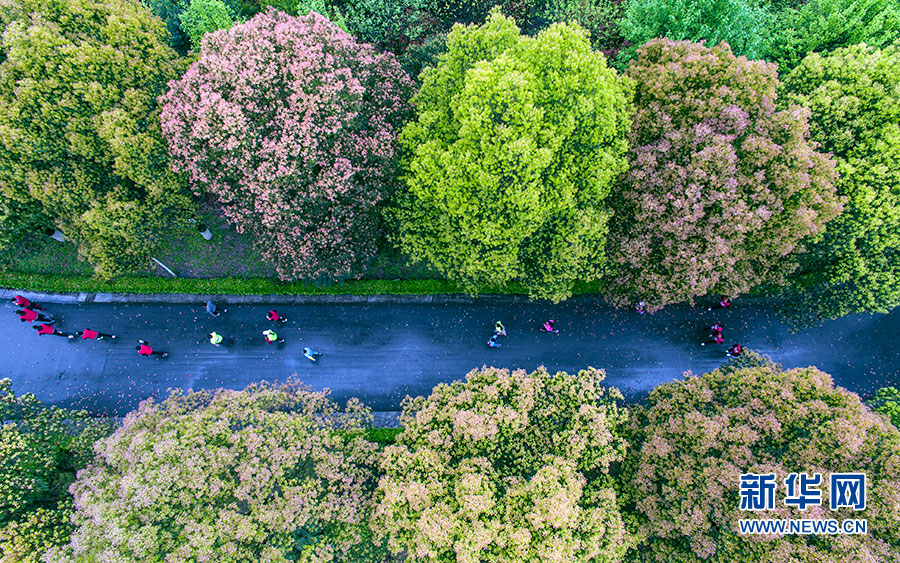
724 303
274 316
51 330
143 348
29 316
735 351
88 334
24 303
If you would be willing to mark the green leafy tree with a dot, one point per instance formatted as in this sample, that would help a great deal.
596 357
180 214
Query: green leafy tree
693 439
169 11
204 16
324 8
41 448
721 187
506 467
81 137
887 401
740 23
390 25
854 96
599 17
514 146
270 473
826 25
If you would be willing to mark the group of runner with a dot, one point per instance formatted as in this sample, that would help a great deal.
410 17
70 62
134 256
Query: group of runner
270 336
30 312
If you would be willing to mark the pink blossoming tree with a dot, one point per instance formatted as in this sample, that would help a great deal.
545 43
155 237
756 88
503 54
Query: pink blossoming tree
506 467
721 187
271 473
694 438
291 126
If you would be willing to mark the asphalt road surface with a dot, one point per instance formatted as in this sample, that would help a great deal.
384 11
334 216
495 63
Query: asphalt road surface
381 352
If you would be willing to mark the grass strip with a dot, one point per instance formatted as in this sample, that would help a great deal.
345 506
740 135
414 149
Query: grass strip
247 286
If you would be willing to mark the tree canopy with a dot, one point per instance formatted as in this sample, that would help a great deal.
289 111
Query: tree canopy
694 438
721 186
80 133
270 473
507 467
854 98
742 24
291 126
515 143
826 25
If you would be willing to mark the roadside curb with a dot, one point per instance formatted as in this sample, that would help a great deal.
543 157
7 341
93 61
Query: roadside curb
190 298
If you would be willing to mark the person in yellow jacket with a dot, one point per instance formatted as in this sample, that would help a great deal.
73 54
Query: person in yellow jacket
215 339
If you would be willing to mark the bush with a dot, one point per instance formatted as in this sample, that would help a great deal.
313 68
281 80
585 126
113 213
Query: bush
695 437
826 25
204 16
81 138
721 186
515 143
505 467
740 23
271 473
854 98
295 146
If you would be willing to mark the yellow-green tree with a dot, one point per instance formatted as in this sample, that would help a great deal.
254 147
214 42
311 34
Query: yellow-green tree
854 98
80 128
514 145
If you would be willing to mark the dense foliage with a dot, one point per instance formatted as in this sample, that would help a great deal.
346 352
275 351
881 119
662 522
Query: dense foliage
506 467
80 135
389 25
887 401
515 143
721 185
204 16
291 125
740 23
271 473
600 18
825 25
41 448
854 98
694 438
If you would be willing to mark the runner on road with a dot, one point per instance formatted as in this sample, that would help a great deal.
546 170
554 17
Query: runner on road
272 337
311 354
51 330
735 351
492 343
29 316
724 303
499 329
88 334
641 307
548 326
715 338
143 348
24 303
215 338
274 316
213 310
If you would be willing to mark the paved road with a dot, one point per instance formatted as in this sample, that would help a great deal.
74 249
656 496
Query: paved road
382 352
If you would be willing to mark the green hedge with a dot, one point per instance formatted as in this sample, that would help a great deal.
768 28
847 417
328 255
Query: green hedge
239 286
